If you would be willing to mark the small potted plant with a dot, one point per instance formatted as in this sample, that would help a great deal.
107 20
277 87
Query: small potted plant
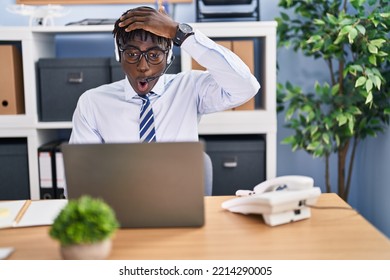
84 228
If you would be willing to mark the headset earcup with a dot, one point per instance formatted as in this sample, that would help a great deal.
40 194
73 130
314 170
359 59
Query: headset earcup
170 54
117 56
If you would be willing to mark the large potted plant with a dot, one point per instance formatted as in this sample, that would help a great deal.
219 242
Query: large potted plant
352 39
84 228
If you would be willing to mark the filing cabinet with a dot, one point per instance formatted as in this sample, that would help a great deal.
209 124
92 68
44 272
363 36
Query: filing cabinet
14 178
238 161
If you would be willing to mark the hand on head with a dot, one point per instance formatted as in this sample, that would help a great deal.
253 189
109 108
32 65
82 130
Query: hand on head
149 19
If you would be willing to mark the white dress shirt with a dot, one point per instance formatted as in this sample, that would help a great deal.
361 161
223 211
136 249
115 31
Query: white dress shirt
110 113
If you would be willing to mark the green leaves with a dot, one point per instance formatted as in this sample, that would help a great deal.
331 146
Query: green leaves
352 35
372 79
361 29
372 48
355 101
352 39
349 31
378 42
357 3
82 221
332 19
361 81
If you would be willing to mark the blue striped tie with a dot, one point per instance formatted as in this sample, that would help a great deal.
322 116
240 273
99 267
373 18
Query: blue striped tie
146 125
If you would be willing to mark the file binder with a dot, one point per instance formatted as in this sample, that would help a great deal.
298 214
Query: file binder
47 157
11 81
46 168
60 172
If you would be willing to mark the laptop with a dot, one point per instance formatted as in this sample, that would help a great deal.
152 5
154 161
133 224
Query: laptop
148 185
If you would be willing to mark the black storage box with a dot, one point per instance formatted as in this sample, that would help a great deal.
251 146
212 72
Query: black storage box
238 162
63 80
14 178
227 10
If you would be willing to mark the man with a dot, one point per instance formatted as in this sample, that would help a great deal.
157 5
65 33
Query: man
173 103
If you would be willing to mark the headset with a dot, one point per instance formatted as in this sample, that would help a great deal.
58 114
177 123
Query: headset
170 56
117 54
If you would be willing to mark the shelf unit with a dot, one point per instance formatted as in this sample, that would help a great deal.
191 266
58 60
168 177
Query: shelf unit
39 42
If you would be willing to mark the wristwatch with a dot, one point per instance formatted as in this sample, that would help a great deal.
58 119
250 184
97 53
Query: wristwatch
183 31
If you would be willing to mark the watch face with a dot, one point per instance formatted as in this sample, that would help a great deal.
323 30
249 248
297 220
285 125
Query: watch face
185 28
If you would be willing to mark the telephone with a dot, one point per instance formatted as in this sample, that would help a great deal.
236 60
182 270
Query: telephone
280 200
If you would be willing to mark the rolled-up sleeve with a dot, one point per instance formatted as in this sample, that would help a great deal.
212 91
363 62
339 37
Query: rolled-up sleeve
228 81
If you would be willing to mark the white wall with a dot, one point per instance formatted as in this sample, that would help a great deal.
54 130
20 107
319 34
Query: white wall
373 181
370 192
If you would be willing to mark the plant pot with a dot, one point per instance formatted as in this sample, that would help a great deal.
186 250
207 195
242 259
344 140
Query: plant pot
94 251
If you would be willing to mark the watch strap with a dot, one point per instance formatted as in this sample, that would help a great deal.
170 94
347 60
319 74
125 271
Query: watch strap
180 35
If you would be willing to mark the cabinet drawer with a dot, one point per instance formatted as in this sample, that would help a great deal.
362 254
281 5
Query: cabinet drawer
14 176
238 162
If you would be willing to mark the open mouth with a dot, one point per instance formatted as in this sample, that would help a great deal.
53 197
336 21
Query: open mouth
143 85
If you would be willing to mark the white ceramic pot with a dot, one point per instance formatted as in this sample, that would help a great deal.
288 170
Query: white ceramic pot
95 251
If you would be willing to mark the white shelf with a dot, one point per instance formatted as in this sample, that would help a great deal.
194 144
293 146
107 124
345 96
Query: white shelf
238 122
54 125
39 42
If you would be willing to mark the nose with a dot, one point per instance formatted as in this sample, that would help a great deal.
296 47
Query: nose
143 64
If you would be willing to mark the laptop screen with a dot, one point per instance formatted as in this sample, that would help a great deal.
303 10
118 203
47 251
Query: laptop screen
147 184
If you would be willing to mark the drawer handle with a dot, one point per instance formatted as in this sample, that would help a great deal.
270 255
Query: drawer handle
75 78
230 163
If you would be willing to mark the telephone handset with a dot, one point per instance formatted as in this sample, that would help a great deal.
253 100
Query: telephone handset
290 182
280 200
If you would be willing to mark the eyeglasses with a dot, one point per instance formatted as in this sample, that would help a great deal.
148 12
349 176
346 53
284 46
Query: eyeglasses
154 55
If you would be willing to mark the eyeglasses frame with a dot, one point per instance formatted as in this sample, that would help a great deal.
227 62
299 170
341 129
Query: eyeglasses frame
143 54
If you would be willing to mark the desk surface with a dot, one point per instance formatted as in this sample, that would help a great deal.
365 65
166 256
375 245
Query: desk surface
328 234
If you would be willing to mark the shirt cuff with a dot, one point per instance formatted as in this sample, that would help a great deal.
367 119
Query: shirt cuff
197 44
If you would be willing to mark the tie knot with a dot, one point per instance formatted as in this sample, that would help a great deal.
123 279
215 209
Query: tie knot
145 100
146 96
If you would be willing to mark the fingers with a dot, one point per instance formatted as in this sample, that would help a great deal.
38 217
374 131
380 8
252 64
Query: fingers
132 23
135 18
149 19
138 13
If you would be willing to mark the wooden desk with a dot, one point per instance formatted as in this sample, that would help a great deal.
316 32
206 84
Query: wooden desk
329 234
